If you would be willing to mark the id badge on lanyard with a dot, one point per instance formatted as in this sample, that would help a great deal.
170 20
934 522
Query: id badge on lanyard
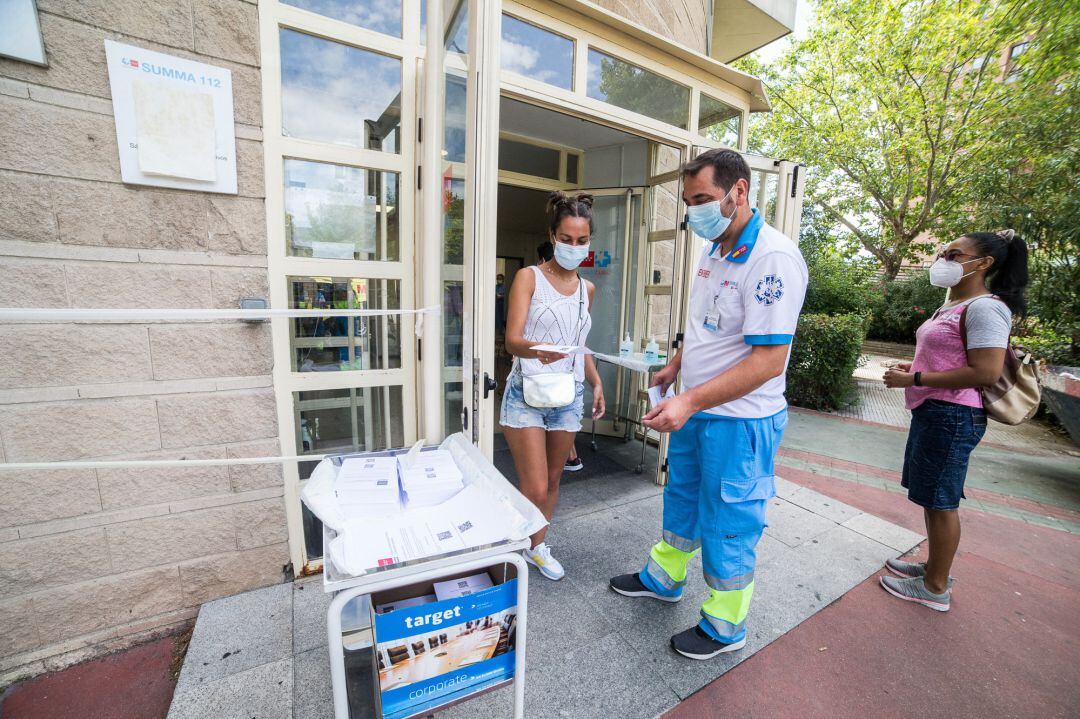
712 317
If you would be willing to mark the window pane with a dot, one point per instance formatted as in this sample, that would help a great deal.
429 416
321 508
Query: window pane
661 262
338 421
453 323
658 319
331 344
638 90
572 167
719 121
454 395
528 159
454 121
763 190
665 207
536 53
338 93
338 212
379 15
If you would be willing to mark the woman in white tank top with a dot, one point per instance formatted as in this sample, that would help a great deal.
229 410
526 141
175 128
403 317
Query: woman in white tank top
550 304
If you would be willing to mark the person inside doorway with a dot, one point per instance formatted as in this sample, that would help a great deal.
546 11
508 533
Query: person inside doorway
544 252
550 304
987 274
727 422
500 303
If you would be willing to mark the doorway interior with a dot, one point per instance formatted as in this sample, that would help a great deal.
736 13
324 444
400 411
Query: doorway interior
634 239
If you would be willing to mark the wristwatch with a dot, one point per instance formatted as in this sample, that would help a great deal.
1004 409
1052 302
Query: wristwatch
918 379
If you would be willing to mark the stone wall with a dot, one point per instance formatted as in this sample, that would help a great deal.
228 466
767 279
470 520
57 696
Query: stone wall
93 559
683 21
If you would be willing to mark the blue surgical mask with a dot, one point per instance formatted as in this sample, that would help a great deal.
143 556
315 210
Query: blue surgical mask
570 256
707 221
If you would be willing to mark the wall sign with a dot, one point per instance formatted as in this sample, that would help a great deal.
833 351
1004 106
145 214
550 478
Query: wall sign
20 32
174 120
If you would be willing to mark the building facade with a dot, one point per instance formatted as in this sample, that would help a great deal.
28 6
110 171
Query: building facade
94 559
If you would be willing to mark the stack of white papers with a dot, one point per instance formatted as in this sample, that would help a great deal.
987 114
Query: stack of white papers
471 518
429 478
368 486
463 587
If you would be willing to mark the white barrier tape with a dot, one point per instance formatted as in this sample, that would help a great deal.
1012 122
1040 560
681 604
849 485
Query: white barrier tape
157 463
18 314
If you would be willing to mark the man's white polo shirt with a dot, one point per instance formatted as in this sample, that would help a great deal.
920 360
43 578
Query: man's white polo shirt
751 296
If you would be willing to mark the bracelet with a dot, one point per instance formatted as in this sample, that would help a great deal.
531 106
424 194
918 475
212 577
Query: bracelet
918 379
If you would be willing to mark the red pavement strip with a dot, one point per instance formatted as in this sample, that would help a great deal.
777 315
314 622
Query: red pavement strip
1009 647
132 684
1027 505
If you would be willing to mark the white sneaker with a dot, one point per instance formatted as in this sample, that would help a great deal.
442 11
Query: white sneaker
540 557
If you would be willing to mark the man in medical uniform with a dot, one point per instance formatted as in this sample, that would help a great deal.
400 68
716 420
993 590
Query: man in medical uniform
727 421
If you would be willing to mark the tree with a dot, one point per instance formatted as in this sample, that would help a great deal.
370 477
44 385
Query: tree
1030 181
894 105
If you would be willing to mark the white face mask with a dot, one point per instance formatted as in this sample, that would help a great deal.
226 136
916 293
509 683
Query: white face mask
570 256
948 273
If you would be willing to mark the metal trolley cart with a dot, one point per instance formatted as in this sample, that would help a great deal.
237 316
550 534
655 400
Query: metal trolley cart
352 625
636 364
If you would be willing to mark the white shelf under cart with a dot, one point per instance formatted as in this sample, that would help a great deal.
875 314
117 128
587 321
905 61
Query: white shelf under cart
351 612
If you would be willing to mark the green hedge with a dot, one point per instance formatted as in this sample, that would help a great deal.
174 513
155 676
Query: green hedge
903 306
1047 344
824 355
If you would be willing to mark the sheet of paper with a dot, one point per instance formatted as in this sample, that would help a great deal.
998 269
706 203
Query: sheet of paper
654 394
563 349
175 130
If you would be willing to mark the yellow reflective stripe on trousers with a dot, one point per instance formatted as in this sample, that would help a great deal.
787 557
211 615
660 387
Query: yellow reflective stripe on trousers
673 561
731 606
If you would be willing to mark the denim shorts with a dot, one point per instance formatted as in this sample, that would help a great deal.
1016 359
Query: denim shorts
940 441
516 414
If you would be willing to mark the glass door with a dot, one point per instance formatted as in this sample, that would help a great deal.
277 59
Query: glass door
661 269
612 268
459 182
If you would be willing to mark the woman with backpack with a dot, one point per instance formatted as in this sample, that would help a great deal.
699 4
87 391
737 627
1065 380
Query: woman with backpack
960 349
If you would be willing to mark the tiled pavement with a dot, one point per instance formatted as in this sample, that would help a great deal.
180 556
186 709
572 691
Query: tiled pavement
591 653
881 405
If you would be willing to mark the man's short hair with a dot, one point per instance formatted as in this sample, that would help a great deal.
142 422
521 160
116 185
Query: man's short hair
728 167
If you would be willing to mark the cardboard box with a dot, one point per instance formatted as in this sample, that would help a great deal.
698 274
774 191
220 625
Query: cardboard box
436 653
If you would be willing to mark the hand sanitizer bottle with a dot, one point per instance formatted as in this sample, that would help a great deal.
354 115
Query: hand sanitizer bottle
626 348
652 352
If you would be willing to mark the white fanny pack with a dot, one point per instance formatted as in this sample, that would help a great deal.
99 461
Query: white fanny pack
555 389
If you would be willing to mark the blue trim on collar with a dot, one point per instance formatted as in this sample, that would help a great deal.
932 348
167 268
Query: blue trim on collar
747 239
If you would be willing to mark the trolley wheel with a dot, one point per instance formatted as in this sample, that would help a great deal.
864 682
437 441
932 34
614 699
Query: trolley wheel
639 469
594 447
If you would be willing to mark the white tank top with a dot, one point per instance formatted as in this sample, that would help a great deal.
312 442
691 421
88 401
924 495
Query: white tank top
556 319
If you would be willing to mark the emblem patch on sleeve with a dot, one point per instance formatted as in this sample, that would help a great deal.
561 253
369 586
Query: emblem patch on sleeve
770 289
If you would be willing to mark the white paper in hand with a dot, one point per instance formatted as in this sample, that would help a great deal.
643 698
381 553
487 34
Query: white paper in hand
563 349
654 394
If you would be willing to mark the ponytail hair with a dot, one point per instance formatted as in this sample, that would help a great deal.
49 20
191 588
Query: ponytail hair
560 205
1008 276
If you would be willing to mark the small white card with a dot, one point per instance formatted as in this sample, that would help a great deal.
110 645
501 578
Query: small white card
654 394
563 349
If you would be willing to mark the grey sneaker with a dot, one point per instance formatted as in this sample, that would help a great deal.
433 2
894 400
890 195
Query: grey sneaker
906 569
909 570
913 590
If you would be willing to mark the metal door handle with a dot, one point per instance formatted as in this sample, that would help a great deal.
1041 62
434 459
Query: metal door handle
490 385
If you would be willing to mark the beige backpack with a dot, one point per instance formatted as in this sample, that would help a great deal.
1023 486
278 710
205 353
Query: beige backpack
1014 398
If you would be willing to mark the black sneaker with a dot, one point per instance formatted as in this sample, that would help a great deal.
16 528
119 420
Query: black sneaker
574 465
694 643
629 585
